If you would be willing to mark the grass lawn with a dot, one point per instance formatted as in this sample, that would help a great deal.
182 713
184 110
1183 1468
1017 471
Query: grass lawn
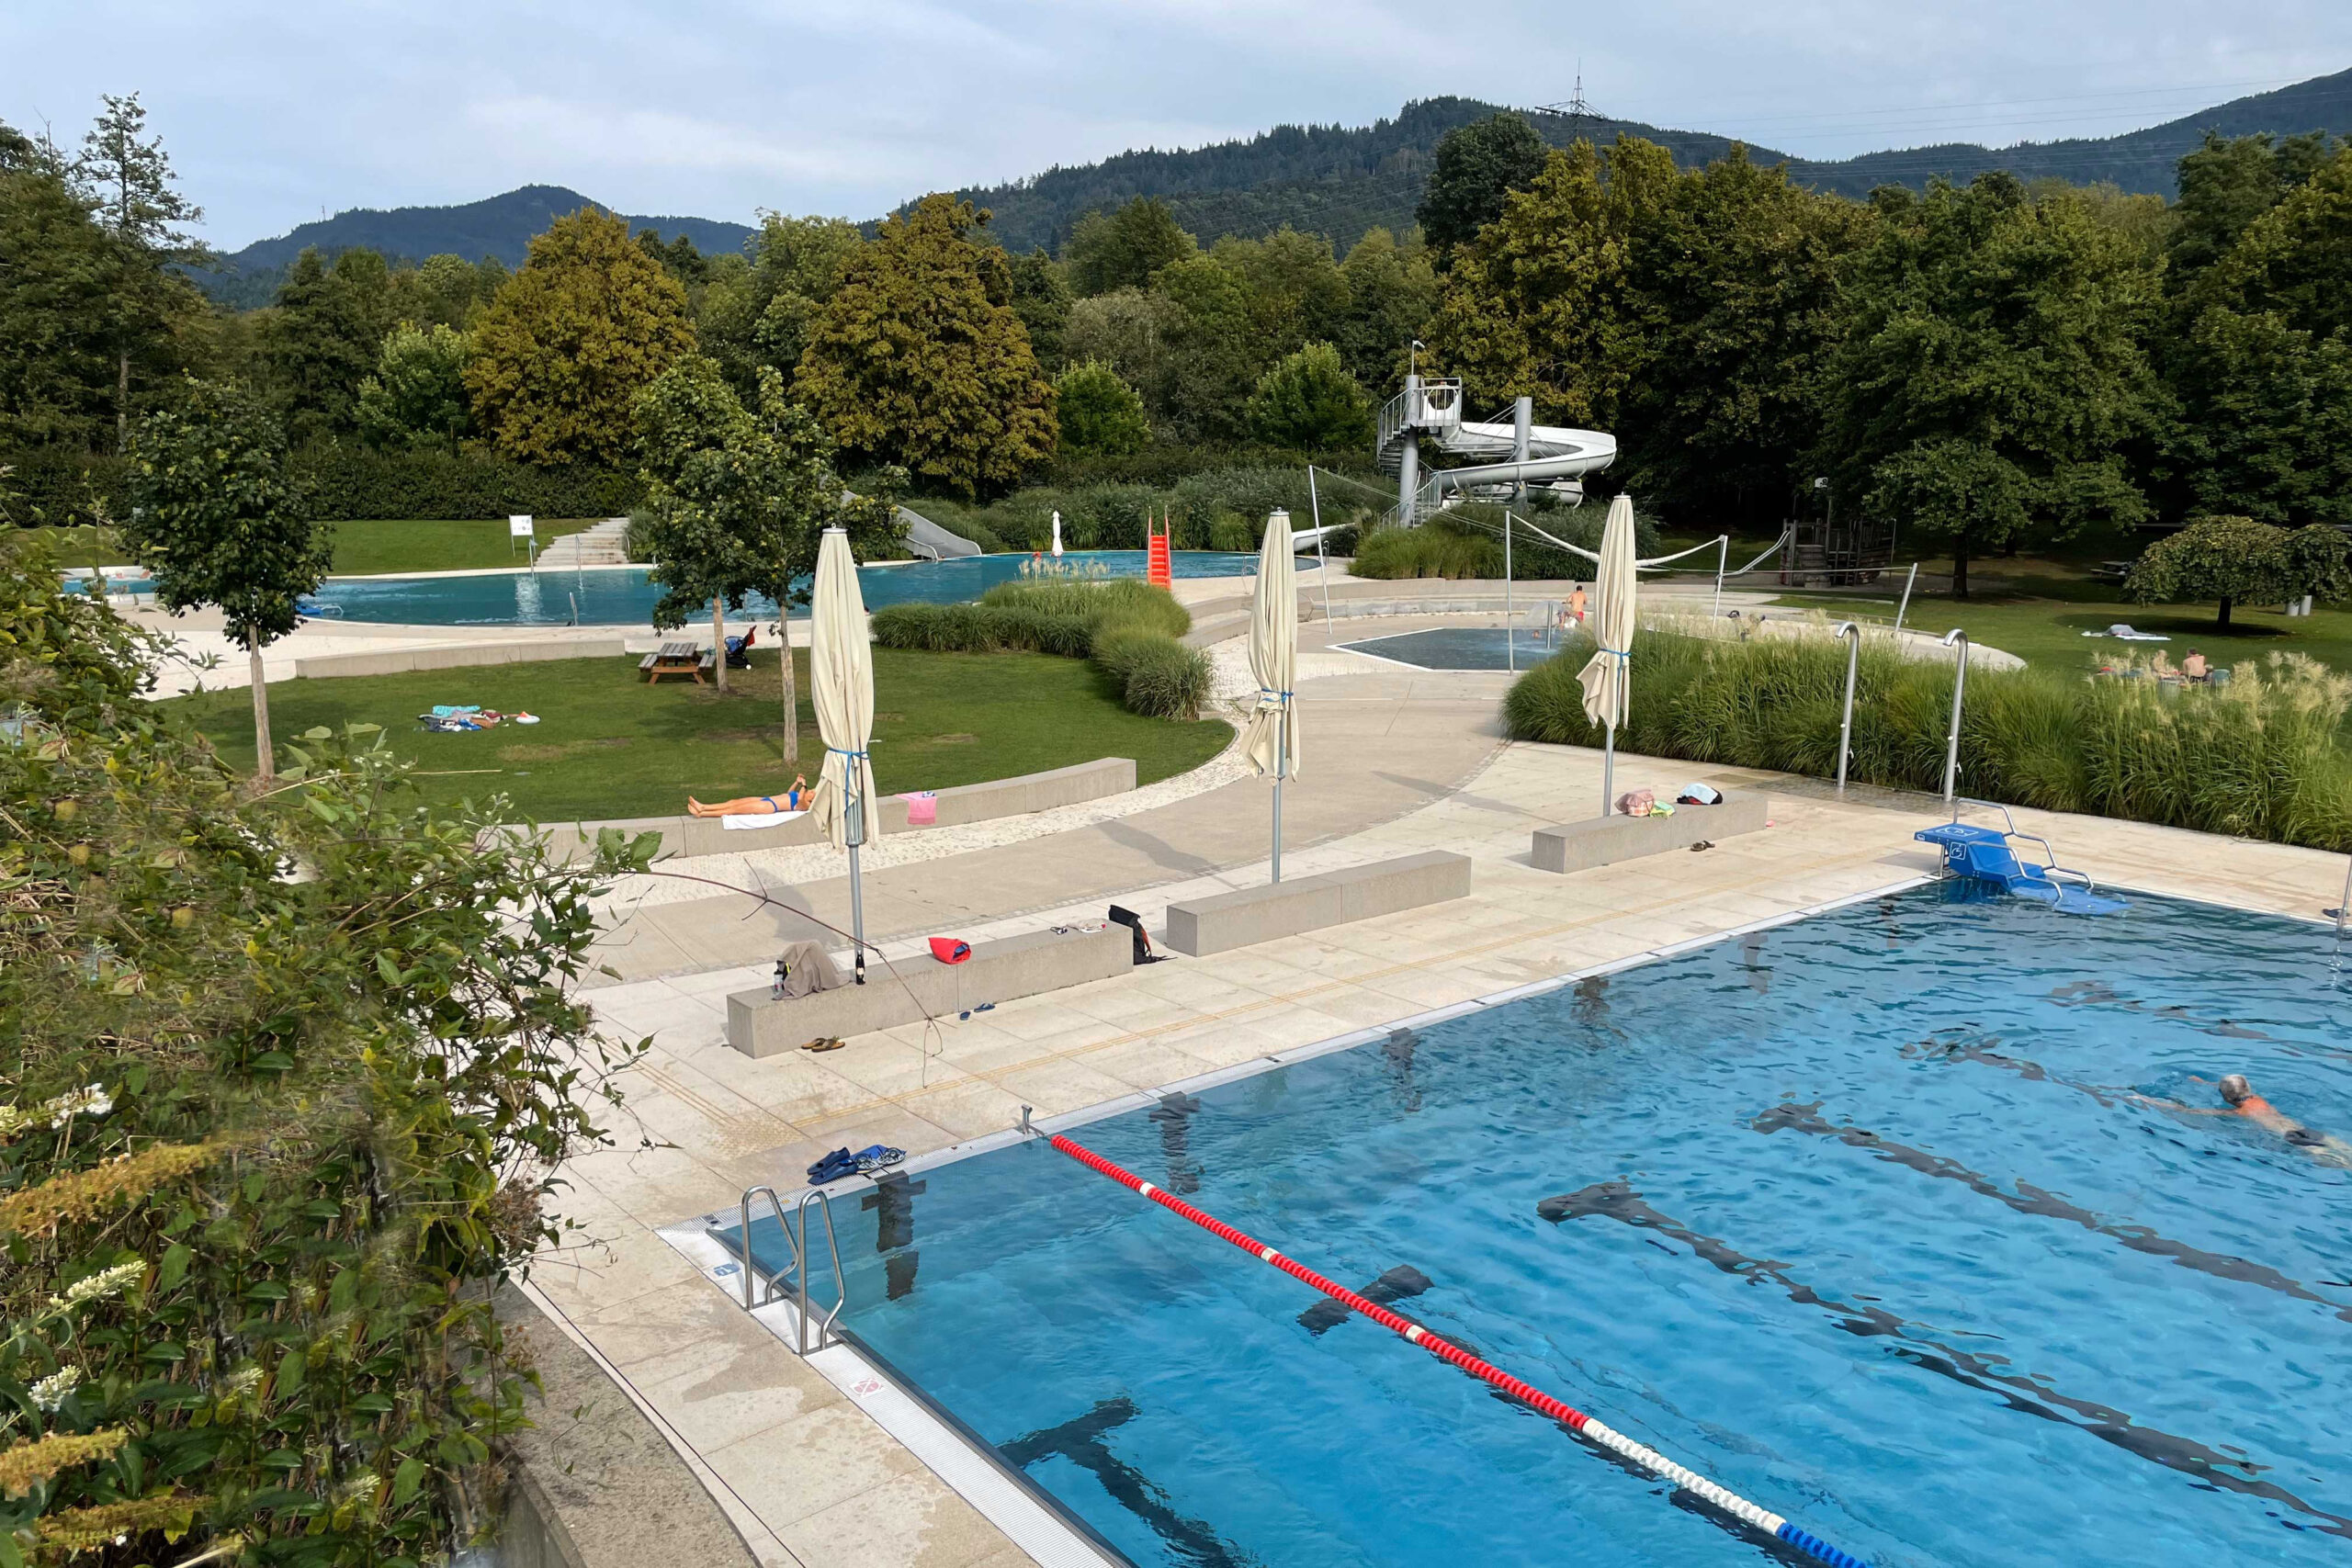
610 746
375 545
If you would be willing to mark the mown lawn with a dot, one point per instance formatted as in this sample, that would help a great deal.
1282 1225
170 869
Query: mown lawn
607 745
380 545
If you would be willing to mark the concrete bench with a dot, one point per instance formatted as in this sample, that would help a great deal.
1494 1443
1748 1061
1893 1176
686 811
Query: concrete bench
760 1025
1605 841
1023 793
1226 921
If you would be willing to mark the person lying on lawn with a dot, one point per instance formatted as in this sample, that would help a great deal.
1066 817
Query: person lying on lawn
793 799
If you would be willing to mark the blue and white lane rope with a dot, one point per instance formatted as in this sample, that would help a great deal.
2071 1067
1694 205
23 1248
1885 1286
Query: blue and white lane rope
1577 1421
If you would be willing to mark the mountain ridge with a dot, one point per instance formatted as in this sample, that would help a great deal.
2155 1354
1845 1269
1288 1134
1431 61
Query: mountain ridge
1339 181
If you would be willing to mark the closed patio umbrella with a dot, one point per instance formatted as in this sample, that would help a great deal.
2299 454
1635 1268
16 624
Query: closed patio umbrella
1605 677
1058 536
840 681
1272 739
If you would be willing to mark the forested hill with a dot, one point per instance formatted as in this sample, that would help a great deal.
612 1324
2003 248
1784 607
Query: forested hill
502 226
1340 181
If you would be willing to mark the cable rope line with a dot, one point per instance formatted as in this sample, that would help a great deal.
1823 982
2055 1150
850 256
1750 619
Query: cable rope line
1597 1433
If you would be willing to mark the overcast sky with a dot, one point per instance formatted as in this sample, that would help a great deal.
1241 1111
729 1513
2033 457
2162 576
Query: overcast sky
718 107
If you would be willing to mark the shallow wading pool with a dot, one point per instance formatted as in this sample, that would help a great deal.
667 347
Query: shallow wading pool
1466 647
1855 1216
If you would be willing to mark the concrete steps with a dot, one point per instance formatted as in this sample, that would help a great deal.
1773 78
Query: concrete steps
599 544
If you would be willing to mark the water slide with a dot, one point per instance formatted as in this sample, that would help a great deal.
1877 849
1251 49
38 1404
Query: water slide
927 540
1520 452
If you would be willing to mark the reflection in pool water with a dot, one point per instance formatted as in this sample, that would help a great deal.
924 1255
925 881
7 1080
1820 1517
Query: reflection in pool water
1466 647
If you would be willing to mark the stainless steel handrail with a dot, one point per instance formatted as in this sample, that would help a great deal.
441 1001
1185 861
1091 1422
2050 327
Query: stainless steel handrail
1853 634
1959 684
750 1270
808 1289
2009 829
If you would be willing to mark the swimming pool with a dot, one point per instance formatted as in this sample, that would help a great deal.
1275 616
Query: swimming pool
1462 648
1852 1215
622 596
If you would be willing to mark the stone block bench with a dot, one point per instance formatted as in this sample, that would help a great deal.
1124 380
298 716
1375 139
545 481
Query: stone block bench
1605 841
760 1025
1224 920
1016 797
456 656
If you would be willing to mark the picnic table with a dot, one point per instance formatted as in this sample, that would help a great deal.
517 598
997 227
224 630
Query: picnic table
675 658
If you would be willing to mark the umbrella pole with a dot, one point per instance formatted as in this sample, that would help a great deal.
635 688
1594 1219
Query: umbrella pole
1282 737
857 814
1608 769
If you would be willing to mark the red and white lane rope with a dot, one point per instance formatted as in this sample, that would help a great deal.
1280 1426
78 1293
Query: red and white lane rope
1584 1425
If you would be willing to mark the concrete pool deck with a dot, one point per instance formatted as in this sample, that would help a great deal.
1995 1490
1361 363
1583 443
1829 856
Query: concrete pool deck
1398 762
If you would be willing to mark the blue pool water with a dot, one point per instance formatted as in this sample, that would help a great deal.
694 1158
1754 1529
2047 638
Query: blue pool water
1462 648
622 596
1852 1216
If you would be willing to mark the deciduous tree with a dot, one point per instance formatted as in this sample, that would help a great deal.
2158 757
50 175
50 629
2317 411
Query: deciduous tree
216 520
58 351
417 396
1476 167
918 360
2236 560
1100 414
1309 403
1990 370
563 350
1123 248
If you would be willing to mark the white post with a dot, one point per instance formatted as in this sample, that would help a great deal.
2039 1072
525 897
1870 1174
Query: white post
854 811
1523 426
1906 605
1723 559
1322 562
1408 454
1608 768
1281 738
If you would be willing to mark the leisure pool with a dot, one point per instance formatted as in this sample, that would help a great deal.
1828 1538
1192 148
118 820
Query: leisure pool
1855 1216
623 596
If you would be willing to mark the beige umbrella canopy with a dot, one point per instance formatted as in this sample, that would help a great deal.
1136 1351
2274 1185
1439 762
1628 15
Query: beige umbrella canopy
840 681
1605 677
1271 742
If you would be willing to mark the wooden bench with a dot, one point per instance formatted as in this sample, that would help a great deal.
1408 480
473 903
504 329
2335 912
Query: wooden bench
675 658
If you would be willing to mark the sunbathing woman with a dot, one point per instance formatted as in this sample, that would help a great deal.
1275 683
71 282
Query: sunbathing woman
793 799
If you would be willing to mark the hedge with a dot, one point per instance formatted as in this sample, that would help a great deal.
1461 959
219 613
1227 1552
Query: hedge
349 483
1127 627
1467 542
2258 758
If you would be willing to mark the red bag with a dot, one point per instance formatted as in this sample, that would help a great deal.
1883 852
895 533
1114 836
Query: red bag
947 950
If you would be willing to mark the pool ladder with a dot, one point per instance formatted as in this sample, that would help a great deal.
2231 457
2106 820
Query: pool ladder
802 1298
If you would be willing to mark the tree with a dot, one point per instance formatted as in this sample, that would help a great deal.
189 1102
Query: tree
417 396
1735 275
1392 289
323 337
251 1110
2265 420
760 314
59 365
128 177
918 361
1213 354
1123 249
2226 186
1297 293
1127 330
739 498
1476 167
2296 259
215 518
1041 298
679 258
1989 370
1310 403
563 350
1100 414
1543 302
2234 559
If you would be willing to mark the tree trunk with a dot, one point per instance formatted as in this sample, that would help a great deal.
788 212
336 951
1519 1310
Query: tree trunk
791 691
1959 568
2224 619
266 765
122 401
718 640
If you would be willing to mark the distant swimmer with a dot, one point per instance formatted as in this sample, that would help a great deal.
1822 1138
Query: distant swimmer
2243 1101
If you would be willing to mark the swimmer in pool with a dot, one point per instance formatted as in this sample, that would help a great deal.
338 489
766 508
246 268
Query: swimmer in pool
2243 1101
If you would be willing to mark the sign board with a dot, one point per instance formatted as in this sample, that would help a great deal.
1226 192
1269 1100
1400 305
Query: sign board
518 527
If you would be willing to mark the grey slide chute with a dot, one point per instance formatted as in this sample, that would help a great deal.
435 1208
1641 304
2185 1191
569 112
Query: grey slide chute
928 541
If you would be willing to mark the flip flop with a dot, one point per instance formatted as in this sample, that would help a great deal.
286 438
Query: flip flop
825 1042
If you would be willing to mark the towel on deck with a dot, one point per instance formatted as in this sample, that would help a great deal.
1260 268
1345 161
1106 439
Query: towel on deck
762 819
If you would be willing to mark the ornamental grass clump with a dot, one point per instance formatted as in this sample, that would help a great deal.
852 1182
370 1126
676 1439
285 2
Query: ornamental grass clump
2260 757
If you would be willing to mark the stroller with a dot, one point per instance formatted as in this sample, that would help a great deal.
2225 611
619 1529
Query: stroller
739 649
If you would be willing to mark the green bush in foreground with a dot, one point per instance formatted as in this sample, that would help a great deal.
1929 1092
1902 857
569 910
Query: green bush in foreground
1128 627
2258 758
1467 542
286 1078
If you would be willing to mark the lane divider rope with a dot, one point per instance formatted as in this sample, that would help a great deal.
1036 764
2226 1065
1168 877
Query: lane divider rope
1585 1426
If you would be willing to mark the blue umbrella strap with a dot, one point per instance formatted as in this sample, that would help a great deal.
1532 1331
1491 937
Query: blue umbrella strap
839 753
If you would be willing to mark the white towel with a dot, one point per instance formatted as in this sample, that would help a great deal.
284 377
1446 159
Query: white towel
764 819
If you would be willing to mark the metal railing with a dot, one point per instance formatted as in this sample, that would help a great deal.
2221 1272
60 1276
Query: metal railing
2009 829
802 1294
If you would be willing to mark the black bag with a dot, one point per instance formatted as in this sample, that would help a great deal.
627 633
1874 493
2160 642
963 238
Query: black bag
1134 923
